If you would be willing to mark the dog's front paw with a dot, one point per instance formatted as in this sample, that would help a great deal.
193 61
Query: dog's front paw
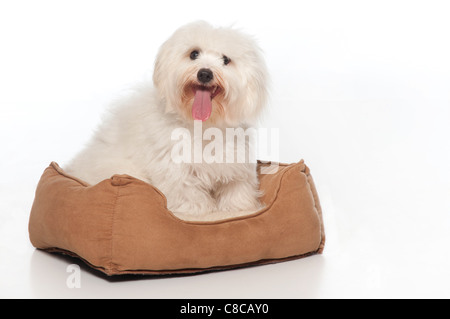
239 205
192 203
238 196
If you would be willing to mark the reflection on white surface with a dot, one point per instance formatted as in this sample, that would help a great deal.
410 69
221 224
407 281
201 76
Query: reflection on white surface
360 91
48 279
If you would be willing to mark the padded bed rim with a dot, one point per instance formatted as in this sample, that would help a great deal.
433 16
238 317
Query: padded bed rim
301 165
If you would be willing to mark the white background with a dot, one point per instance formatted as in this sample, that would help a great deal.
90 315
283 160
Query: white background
360 90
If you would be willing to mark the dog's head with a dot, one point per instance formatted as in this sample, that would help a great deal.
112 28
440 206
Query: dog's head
211 74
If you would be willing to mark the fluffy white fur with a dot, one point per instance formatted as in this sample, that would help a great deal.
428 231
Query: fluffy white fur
135 138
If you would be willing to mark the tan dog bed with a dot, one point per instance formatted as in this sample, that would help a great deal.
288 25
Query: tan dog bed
122 226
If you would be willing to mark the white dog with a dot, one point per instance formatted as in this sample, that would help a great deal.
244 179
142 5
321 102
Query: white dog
213 76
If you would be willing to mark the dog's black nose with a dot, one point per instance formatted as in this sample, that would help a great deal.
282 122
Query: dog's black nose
205 75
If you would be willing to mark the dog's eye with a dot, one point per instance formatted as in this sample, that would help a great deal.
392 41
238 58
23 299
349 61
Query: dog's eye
226 60
194 55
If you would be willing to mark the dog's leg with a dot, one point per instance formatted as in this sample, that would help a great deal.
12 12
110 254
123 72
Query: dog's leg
188 199
238 196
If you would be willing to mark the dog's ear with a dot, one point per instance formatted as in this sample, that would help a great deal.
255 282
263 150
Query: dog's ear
258 84
255 96
157 74
161 78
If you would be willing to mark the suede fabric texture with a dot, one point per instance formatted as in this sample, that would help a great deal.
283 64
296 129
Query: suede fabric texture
122 226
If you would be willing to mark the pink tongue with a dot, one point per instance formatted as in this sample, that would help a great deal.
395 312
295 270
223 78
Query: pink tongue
201 109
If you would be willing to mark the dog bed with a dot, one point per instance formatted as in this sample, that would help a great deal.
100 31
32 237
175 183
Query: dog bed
122 225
